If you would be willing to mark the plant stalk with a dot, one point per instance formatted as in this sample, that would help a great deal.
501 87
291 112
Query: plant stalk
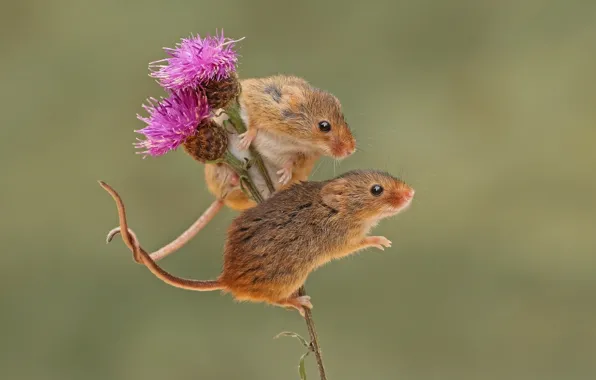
242 172
236 120
314 339
233 113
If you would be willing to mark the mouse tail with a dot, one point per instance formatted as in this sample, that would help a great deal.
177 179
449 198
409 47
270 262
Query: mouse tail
141 256
185 237
178 282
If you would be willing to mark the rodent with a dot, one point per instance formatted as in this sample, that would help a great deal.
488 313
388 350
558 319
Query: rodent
292 123
271 248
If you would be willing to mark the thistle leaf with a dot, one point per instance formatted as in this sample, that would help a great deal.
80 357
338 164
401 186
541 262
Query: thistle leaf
301 368
294 335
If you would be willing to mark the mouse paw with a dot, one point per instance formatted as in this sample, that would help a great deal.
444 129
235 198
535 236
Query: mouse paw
304 301
299 303
380 242
246 139
285 175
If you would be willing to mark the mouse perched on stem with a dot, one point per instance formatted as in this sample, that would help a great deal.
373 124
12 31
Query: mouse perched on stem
271 249
291 122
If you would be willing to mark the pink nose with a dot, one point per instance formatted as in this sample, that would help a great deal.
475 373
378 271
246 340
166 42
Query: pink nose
409 193
349 150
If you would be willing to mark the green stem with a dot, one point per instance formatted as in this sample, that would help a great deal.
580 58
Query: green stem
245 179
233 113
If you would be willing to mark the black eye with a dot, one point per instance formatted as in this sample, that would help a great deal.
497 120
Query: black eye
324 126
376 190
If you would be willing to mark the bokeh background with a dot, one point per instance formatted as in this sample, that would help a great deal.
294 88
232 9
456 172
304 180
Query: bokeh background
486 108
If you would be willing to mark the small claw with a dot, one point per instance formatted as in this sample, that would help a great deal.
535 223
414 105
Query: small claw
379 242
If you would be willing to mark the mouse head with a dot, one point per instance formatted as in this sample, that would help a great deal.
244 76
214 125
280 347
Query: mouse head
367 195
323 124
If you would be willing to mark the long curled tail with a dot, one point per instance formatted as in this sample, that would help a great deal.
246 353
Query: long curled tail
141 256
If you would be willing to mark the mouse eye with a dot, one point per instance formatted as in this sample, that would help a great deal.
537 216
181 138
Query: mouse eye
376 190
324 126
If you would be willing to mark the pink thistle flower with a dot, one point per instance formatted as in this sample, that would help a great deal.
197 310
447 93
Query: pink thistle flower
195 61
171 121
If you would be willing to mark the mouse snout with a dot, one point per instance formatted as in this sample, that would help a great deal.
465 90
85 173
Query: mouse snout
408 193
343 149
345 152
403 196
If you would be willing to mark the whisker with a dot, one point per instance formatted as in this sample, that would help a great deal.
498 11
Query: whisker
317 168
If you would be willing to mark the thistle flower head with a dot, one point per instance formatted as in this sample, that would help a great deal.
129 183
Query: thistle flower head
209 143
171 121
195 61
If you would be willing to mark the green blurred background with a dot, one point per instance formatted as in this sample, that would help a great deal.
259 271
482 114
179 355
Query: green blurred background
488 110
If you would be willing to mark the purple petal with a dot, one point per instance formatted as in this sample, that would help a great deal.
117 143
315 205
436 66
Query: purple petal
171 121
195 61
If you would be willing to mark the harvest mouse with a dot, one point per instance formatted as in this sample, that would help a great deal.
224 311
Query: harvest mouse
290 122
271 248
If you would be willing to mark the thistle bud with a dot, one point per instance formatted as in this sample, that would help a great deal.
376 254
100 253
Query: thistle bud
208 143
220 92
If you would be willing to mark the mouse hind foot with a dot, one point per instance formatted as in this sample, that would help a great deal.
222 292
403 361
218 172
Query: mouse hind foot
298 303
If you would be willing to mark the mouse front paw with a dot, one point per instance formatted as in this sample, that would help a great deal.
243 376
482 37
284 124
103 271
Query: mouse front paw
380 242
286 172
285 175
246 139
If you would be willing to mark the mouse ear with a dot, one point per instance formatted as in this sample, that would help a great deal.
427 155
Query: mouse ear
294 102
293 97
334 192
